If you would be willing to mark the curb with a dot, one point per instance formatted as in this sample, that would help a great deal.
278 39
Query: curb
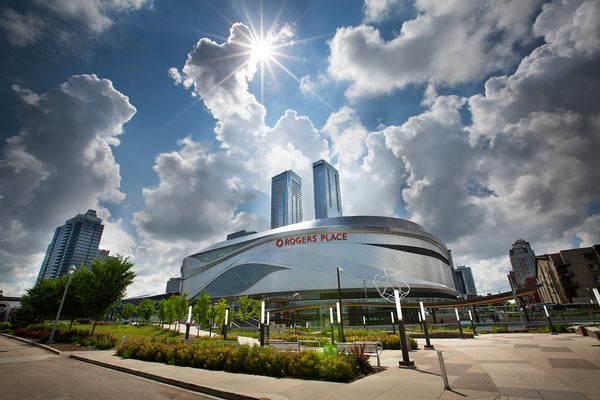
32 343
169 381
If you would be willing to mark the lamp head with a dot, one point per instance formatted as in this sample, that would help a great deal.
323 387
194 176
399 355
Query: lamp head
72 269
341 270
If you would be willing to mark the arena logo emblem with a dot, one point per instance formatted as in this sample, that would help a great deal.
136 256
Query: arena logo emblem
309 239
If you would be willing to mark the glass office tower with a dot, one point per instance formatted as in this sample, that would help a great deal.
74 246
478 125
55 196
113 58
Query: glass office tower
326 181
74 243
286 199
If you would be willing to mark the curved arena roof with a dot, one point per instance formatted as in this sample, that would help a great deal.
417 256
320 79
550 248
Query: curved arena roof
303 258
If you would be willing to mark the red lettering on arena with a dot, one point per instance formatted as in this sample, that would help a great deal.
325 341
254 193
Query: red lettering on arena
305 239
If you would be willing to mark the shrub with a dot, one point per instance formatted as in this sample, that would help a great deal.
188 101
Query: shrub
388 342
245 359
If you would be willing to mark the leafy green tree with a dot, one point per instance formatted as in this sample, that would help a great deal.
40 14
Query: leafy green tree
128 311
42 300
105 283
256 308
180 307
200 311
74 306
219 312
146 309
165 311
245 306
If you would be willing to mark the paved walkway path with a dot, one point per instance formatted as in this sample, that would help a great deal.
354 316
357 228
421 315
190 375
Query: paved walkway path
493 366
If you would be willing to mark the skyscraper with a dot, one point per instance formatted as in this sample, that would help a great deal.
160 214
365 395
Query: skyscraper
326 181
74 243
464 282
522 259
286 199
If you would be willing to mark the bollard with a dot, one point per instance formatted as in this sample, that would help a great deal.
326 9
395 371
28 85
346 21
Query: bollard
443 369
123 340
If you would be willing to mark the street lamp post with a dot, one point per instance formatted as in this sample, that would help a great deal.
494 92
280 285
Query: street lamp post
428 344
402 335
295 313
188 323
62 302
331 324
341 321
552 331
462 336
262 323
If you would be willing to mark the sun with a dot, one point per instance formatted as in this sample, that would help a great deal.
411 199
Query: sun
262 50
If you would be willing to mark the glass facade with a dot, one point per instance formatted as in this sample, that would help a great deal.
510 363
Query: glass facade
326 182
74 243
286 199
239 279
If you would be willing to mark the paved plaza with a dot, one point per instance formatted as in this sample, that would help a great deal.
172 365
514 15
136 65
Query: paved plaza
492 366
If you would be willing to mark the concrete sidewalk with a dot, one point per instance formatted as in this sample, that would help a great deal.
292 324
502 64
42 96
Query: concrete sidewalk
494 366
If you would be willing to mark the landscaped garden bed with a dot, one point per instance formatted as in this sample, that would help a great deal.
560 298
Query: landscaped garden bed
325 365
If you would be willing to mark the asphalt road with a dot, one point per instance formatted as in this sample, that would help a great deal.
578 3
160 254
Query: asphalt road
28 372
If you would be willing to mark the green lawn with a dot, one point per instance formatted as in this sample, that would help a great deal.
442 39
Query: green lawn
132 332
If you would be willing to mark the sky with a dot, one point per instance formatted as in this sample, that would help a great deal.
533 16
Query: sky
479 120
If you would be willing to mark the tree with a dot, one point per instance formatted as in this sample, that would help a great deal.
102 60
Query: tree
105 283
200 311
42 300
74 305
165 311
256 308
128 311
180 307
245 306
146 309
219 310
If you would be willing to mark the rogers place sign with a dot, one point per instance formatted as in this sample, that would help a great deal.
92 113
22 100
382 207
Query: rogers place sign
305 239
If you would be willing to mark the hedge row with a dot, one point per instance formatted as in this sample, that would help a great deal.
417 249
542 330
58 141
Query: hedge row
247 359
389 342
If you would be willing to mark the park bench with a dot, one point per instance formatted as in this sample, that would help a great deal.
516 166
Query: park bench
484 329
516 328
282 345
370 348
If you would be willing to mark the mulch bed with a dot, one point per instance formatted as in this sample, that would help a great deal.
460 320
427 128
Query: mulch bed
71 347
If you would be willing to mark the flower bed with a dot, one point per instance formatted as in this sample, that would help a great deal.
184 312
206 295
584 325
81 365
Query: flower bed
101 341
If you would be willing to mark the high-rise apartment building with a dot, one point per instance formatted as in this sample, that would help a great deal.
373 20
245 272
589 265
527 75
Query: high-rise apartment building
569 276
522 259
326 181
464 282
286 199
74 243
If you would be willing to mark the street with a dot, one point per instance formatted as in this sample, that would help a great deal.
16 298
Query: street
29 372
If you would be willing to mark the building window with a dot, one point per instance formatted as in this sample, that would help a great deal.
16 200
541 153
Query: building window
589 256
597 278
593 267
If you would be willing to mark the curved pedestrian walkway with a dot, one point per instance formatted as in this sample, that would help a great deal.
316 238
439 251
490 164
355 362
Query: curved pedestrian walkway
493 366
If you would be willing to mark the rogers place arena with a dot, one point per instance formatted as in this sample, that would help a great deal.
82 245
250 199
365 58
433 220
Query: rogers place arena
299 262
